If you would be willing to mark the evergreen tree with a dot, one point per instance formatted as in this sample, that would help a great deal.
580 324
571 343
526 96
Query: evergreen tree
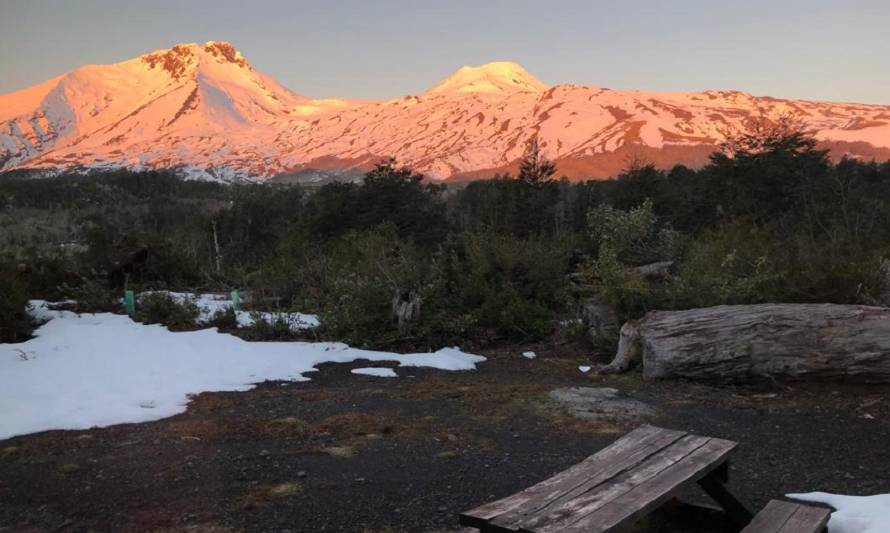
534 169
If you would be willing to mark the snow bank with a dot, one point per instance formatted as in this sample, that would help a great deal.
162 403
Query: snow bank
102 369
853 514
210 304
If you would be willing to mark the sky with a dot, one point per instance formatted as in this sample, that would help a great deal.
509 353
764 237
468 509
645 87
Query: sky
816 49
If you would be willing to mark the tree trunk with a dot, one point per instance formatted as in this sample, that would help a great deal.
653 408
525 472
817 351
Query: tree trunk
406 306
774 341
216 248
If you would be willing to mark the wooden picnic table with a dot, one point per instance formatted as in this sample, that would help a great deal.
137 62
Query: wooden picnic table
617 486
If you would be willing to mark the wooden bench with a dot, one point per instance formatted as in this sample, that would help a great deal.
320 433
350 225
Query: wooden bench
789 517
617 486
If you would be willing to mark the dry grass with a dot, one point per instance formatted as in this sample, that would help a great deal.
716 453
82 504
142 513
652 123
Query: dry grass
9 451
354 424
267 494
196 428
288 427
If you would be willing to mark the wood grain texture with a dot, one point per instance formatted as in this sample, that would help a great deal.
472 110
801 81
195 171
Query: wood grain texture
609 489
774 341
623 451
598 471
789 517
644 498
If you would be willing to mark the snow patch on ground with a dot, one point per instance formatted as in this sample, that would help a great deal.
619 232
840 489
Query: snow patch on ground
854 514
377 372
210 304
96 370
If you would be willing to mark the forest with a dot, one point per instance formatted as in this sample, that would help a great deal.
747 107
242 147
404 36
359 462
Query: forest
399 261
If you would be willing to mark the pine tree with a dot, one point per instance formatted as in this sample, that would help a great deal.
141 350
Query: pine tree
534 169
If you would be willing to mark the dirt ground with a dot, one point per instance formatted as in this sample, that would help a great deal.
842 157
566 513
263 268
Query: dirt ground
369 455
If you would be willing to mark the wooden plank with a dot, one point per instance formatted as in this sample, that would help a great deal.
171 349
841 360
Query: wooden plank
807 519
771 518
599 471
492 509
645 497
623 451
788 517
565 511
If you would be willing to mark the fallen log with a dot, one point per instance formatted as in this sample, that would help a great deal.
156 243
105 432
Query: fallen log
774 341
653 271
628 354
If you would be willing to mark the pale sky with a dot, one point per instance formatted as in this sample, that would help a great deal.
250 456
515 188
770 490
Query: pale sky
816 49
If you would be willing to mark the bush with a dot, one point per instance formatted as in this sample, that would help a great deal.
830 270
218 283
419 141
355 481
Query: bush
729 265
834 272
626 239
512 287
92 296
277 328
634 236
476 286
162 308
364 272
225 319
16 324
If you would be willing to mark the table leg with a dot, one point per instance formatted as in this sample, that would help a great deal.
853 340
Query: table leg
713 485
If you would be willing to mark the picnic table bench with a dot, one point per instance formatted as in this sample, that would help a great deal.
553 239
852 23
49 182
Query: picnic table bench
789 517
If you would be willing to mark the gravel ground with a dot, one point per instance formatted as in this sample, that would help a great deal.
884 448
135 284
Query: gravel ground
362 454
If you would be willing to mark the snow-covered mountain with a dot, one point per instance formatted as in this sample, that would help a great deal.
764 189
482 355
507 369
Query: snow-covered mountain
203 109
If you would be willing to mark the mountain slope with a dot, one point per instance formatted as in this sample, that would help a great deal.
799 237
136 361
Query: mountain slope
205 110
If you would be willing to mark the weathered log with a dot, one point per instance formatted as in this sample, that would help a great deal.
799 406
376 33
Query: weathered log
628 354
652 271
774 341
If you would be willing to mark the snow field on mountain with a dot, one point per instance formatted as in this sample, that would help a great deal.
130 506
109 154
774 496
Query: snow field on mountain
203 109
96 370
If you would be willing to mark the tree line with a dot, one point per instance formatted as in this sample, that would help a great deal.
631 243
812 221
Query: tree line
398 260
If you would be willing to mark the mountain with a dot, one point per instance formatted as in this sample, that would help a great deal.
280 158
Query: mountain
202 109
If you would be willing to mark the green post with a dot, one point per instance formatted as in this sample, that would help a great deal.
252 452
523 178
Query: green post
130 301
236 301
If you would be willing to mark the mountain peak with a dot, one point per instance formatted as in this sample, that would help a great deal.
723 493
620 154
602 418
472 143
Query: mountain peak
497 77
226 51
201 109
176 60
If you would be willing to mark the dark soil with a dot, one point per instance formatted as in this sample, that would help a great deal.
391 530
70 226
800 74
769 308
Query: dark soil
354 453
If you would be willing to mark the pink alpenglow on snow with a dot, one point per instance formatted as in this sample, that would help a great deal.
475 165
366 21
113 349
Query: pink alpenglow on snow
204 110
96 370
